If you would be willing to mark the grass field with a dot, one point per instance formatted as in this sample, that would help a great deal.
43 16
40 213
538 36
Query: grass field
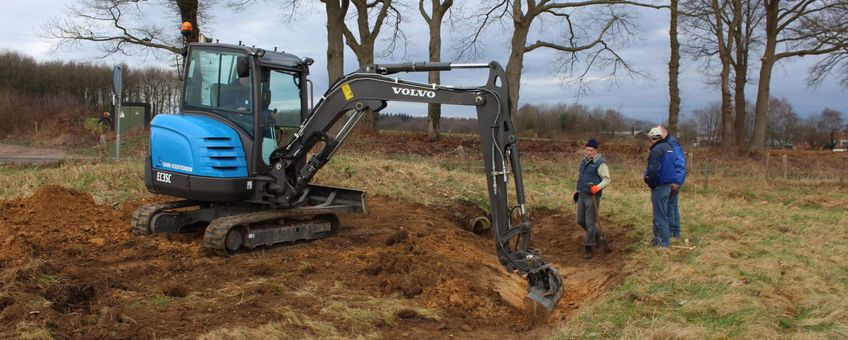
768 258
768 263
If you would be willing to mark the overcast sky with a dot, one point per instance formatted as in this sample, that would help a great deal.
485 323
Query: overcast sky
261 25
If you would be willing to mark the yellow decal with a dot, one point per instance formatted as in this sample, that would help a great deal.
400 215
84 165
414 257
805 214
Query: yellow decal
348 93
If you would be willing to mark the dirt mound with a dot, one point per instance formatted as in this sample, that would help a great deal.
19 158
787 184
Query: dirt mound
438 264
72 267
54 216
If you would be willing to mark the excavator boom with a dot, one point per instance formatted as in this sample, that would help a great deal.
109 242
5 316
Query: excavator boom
368 90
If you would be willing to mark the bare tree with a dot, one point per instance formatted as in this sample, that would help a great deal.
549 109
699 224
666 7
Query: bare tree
801 28
438 9
590 39
745 34
725 29
709 29
336 11
688 131
808 133
836 60
361 39
725 48
362 44
783 122
829 123
117 25
707 120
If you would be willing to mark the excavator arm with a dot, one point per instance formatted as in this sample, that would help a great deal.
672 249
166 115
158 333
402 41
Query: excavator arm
368 90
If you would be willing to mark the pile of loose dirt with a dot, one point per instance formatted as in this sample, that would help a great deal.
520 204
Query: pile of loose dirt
437 263
72 267
55 219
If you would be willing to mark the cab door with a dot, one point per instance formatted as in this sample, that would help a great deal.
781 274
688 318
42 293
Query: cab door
281 110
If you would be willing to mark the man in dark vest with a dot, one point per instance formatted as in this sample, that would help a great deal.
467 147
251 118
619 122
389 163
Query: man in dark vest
593 177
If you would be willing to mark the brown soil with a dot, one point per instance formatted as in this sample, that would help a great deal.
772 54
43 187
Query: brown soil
72 266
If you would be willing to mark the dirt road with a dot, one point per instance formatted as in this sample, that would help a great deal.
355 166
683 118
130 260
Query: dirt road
16 154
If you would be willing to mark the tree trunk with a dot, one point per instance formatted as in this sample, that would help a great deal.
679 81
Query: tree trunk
673 72
726 108
521 27
434 111
741 72
188 12
758 140
364 50
370 119
724 48
336 11
740 127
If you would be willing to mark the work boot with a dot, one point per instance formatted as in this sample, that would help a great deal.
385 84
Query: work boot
588 254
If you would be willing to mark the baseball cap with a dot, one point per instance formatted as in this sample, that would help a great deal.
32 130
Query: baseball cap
655 133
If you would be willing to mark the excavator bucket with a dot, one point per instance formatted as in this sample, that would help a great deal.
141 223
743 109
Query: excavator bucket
545 287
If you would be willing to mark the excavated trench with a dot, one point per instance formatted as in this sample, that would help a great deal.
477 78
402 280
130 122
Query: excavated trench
71 266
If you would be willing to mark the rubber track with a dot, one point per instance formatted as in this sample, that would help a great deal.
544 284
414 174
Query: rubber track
142 216
216 232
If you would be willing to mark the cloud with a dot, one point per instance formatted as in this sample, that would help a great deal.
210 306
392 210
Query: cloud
647 98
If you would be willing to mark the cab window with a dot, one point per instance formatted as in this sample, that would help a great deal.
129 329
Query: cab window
219 82
284 100
280 108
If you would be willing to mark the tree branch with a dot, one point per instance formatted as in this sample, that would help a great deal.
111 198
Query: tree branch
572 49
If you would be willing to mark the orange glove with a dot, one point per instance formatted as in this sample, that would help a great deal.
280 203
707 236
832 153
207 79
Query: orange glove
595 189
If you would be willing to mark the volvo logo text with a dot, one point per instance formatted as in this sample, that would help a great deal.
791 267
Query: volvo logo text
414 92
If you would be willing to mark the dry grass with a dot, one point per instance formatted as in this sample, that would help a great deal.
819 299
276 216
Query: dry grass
768 257
768 263
31 331
108 182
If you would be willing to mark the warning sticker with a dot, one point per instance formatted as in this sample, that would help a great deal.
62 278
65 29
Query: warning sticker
348 93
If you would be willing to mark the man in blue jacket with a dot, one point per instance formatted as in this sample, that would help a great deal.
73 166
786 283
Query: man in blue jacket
680 172
659 176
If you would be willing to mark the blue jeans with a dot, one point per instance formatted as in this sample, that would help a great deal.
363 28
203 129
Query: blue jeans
587 217
660 201
674 213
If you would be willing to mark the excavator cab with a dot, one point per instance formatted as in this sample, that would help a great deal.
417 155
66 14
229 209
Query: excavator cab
236 103
239 105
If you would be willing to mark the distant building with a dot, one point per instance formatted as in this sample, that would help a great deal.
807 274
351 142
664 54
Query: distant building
841 139
776 144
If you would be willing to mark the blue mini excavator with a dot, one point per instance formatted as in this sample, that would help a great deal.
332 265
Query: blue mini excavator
226 155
